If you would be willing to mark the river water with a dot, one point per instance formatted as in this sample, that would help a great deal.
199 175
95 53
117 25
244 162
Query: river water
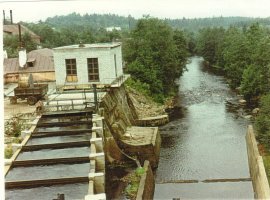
207 142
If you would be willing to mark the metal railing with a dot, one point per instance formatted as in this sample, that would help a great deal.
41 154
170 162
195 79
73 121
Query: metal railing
69 104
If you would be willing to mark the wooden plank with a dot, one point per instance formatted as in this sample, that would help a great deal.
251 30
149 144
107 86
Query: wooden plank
60 133
60 124
55 146
226 180
44 182
67 113
27 163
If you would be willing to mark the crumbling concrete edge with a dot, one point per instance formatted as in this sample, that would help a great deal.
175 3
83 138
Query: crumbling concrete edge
96 185
147 183
256 167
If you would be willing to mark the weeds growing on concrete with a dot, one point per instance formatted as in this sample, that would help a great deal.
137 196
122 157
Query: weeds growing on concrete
133 180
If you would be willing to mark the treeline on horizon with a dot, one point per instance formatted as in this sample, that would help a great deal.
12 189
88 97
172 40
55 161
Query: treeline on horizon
97 21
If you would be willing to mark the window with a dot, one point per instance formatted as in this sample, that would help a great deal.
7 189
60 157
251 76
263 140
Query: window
71 70
30 62
93 74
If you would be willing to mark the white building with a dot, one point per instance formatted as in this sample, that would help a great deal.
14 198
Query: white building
86 64
110 29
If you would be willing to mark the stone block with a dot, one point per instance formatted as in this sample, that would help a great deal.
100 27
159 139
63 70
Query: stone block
98 143
101 196
8 162
15 147
100 160
25 133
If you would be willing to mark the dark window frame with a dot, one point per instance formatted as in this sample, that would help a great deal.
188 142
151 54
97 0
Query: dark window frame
93 69
71 70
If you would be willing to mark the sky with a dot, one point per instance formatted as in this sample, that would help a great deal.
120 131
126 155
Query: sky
33 10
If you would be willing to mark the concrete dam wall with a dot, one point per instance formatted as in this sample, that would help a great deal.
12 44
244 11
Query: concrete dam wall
122 137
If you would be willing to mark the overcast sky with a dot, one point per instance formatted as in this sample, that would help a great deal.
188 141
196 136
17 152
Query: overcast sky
32 11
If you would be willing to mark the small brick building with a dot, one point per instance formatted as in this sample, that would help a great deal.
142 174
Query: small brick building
84 64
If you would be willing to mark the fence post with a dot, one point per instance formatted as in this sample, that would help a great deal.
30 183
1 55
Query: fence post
95 96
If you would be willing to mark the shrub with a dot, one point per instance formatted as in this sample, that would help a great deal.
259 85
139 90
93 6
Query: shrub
14 126
138 86
8 152
262 123
133 180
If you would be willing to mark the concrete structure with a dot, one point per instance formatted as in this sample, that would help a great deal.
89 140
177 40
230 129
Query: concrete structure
120 117
147 183
87 64
39 63
256 167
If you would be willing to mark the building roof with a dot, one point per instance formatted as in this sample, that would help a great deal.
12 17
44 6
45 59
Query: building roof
42 60
13 29
89 46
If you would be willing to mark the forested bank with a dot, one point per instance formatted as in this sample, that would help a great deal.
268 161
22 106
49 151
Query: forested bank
243 55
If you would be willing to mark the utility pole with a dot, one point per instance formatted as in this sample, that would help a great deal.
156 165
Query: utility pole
11 17
4 18
20 36
95 96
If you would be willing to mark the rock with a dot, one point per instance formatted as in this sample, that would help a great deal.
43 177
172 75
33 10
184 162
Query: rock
238 89
147 106
242 101
248 117
255 111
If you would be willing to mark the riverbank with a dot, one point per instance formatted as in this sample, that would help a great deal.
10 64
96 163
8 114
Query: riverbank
148 108
145 106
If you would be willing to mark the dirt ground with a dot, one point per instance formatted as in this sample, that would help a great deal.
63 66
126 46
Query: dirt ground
22 106
13 109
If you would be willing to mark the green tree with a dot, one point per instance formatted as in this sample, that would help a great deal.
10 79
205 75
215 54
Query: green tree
12 44
153 56
28 43
209 42
235 55
251 82
262 122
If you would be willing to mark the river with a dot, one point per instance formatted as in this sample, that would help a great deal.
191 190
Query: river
207 142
